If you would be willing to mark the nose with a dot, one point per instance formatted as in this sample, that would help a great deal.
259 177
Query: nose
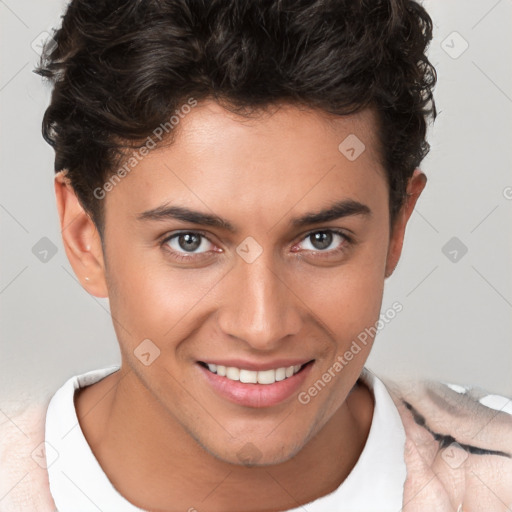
260 307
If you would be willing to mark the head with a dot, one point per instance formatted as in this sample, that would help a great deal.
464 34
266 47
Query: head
236 177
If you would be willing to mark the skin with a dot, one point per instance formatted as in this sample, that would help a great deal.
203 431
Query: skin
165 439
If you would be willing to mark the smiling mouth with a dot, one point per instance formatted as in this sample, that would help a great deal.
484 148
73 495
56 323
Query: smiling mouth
254 377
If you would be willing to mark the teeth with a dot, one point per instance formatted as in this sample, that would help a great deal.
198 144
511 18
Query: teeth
266 377
253 377
232 373
248 376
280 374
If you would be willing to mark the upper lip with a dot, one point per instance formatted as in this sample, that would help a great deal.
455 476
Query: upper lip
258 366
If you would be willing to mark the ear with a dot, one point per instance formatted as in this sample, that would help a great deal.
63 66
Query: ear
415 186
81 239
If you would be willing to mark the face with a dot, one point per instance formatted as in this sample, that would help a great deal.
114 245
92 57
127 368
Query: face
251 245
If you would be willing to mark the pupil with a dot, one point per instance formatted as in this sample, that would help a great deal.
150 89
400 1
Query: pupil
189 241
321 239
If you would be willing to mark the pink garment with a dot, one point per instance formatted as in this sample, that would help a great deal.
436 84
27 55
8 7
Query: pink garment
458 453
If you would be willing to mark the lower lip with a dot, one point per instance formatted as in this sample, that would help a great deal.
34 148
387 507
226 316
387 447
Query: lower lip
256 395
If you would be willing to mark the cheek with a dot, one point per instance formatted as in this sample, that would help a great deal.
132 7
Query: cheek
151 299
348 298
344 304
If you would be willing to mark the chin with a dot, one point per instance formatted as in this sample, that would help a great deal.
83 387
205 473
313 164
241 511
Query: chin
254 453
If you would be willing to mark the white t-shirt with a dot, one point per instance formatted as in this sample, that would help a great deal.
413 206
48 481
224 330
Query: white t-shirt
78 483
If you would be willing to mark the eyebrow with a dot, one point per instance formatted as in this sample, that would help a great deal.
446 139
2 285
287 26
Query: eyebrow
338 210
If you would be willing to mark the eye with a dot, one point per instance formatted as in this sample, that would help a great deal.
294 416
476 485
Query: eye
326 240
189 242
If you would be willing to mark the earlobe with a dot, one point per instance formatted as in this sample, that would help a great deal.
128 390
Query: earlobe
81 239
415 186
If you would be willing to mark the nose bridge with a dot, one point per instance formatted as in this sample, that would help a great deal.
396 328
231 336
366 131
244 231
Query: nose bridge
261 309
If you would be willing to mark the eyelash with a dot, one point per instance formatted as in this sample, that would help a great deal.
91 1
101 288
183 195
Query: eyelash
182 257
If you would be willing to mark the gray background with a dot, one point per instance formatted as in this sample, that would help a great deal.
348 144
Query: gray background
456 323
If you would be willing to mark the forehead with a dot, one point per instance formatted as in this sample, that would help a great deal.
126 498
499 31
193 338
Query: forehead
260 167
276 131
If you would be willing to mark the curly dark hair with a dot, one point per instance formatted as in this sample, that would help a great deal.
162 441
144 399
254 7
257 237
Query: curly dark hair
120 68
